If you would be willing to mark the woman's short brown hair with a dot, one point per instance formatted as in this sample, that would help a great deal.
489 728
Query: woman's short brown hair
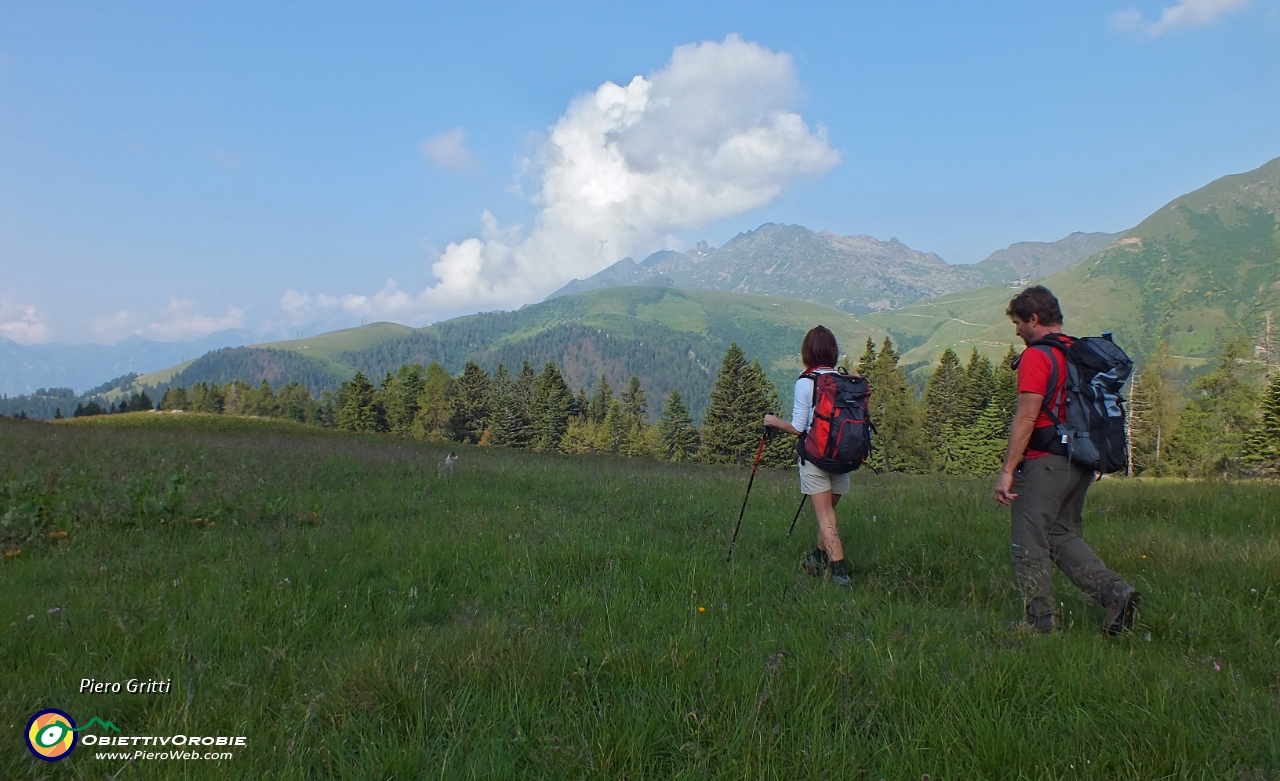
1036 300
819 348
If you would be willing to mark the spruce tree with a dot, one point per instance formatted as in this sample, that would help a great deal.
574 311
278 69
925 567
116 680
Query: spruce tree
868 360
898 443
678 435
174 399
357 412
1153 413
734 420
599 406
470 415
1262 450
436 405
633 401
1213 426
979 380
551 401
266 405
402 397
612 434
944 400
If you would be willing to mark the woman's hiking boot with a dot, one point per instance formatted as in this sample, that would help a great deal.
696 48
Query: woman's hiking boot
839 575
1121 613
815 563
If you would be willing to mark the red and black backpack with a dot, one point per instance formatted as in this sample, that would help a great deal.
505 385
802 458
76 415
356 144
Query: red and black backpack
839 440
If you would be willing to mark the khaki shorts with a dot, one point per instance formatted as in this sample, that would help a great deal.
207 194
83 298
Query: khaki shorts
814 481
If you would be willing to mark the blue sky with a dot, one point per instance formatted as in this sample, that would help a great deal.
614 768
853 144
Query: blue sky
168 170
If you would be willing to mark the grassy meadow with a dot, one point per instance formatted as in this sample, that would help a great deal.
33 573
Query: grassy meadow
357 615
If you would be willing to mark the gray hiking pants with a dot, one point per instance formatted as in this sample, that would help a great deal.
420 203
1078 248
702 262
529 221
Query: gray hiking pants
1045 528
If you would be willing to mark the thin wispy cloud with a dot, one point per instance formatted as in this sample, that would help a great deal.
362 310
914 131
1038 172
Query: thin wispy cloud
449 150
23 323
711 135
178 321
1185 15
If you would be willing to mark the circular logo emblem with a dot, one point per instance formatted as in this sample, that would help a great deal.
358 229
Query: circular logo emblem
50 736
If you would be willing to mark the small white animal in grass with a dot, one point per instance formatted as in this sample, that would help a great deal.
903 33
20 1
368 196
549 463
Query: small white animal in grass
446 467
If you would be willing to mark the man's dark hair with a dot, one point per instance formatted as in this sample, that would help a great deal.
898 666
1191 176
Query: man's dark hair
1036 300
819 348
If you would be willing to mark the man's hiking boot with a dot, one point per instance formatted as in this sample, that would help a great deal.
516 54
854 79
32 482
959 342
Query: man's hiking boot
815 563
839 575
1120 614
1034 626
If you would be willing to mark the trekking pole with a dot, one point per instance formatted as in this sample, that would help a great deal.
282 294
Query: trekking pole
754 467
798 509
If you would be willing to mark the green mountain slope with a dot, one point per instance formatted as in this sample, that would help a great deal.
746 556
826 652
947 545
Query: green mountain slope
1199 271
669 338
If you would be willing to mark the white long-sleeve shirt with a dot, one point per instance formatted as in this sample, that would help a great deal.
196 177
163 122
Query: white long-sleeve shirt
802 407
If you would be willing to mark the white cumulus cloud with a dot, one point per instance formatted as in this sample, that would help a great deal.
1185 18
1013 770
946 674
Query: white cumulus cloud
711 135
23 323
1186 14
180 320
449 150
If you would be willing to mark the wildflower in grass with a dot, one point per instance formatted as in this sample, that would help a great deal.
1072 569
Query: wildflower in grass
702 610
11 552
55 535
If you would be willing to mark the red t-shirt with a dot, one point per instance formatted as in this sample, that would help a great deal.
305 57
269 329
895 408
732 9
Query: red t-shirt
1034 371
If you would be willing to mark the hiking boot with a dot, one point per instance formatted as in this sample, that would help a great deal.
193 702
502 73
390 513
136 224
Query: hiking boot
815 563
1029 626
1120 614
840 575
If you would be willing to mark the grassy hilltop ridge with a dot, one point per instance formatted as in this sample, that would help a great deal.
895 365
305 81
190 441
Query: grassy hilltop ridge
360 616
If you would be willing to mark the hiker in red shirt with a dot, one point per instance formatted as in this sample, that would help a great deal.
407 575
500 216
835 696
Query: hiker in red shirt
1045 490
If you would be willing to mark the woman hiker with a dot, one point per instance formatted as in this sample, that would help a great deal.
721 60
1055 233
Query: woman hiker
819 353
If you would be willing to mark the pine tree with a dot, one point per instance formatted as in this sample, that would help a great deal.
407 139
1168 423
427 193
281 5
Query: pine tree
1262 450
868 360
266 405
551 400
581 407
898 444
1153 413
358 411
403 396
436 405
57 413
612 433
944 400
633 401
735 415
1210 438
470 415
174 399
979 380
599 406
678 435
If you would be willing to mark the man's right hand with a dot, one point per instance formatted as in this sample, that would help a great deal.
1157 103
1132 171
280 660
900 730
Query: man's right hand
1004 486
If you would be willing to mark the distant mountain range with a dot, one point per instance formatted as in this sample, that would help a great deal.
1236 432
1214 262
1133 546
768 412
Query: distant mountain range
26 368
1204 268
857 274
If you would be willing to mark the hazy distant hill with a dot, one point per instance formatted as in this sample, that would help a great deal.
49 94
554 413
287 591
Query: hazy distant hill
669 338
1197 272
857 274
25 368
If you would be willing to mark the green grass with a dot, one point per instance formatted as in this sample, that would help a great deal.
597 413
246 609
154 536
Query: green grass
357 616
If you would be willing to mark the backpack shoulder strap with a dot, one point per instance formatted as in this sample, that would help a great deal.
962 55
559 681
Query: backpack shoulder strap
1047 345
